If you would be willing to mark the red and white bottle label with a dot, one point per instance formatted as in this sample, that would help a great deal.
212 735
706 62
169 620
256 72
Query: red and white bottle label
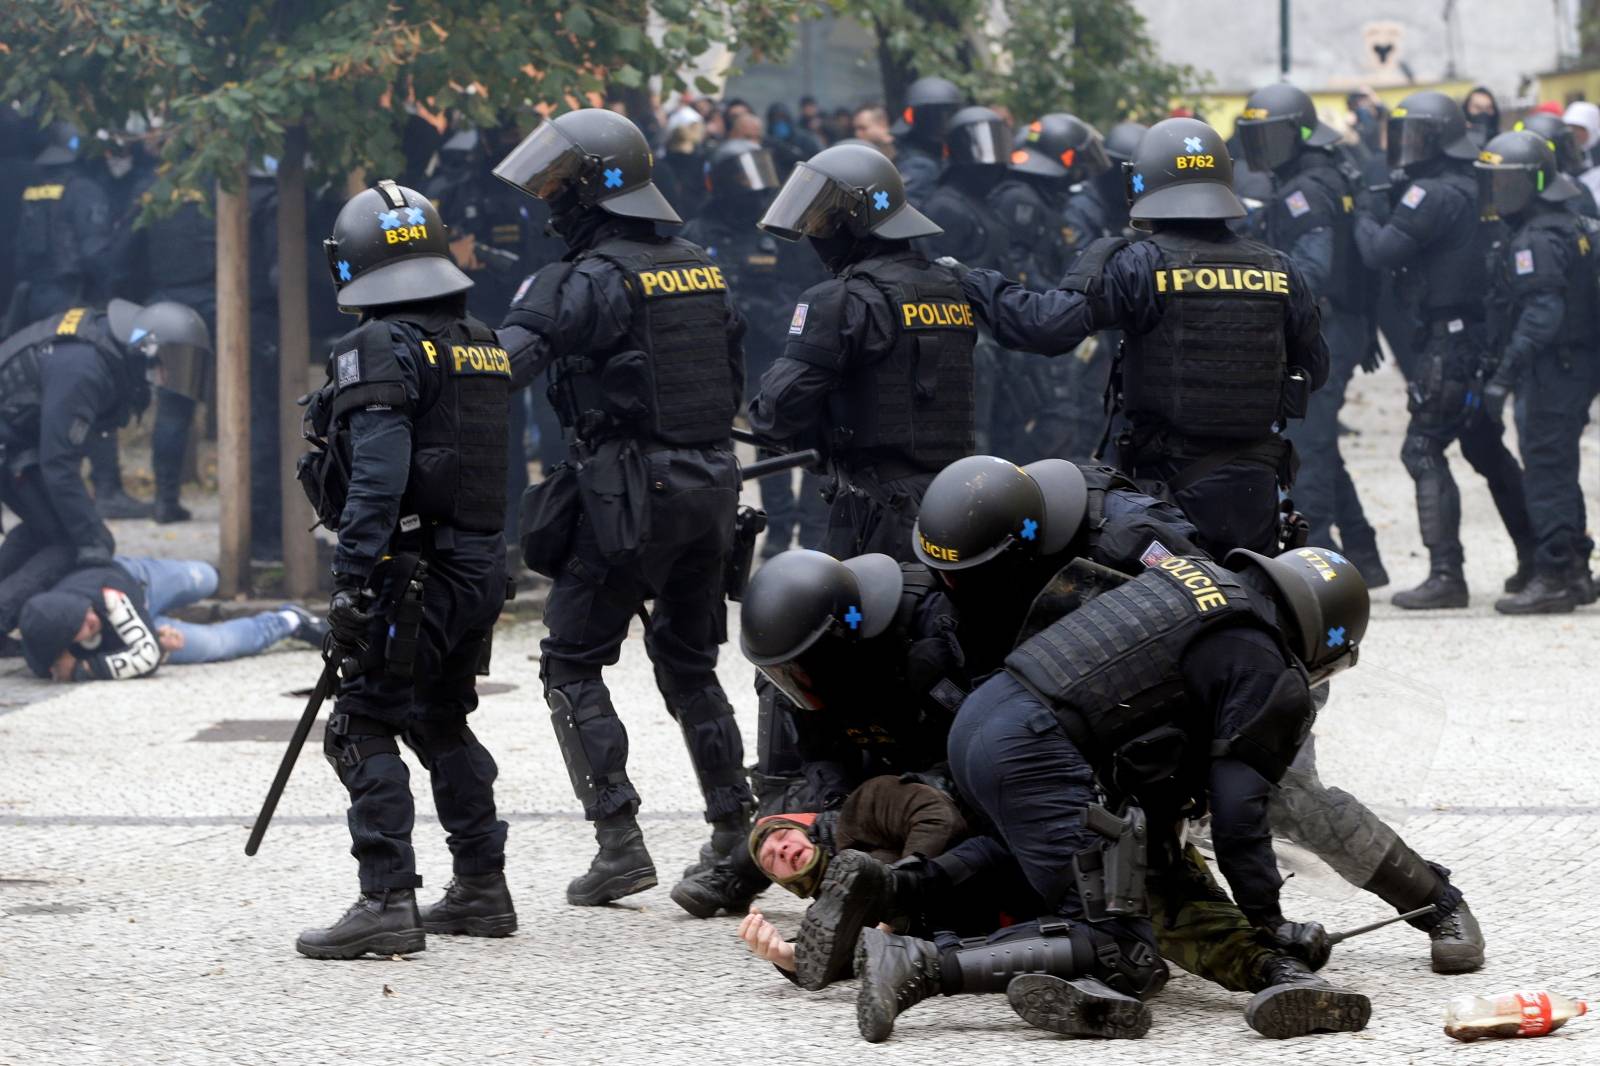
1533 1009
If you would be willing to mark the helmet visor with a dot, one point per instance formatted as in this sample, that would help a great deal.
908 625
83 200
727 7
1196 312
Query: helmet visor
1505 190
1088 160
810 204
750 170
544 162
1269 143
180 368
984 143
1414 139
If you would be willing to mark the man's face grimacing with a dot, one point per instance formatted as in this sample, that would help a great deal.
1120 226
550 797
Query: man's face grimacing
785 853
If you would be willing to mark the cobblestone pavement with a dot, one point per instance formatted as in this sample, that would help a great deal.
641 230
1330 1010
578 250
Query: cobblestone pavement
134 930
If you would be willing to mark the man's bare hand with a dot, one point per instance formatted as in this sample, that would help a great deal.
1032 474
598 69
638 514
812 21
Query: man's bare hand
765 942
169 638
61 669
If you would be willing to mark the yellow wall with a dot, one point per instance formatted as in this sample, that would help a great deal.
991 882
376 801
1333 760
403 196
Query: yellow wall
1569 85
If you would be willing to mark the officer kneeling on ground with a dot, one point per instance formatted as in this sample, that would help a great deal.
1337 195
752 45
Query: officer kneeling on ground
647 370
415 413
62 381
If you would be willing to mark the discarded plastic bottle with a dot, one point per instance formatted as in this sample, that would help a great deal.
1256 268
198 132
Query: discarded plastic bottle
1512 1014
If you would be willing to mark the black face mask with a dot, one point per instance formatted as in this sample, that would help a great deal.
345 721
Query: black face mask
837 251
1487 124
572 221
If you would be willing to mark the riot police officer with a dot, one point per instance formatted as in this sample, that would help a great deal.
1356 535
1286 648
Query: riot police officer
765 276
63 380
1546 331
415 411
1569 157
646 364
1432 233
919 136
1310 218
64 231
877 372
1222 337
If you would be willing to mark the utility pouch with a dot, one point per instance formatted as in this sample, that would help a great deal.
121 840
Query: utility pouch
1111 878
613 489
1296 394
405 618
546 520
485 654
747 526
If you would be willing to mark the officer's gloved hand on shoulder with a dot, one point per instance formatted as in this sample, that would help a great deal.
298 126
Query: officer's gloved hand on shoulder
1306 941
1494 402
957 268
348 618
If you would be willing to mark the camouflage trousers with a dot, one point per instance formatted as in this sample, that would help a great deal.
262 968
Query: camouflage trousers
1199 928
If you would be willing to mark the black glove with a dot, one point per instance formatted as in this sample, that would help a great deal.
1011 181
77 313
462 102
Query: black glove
957 268
1494 402
347 619
1306 941
1371 361
94 555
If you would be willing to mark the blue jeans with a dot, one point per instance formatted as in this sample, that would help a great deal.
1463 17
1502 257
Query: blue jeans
172 583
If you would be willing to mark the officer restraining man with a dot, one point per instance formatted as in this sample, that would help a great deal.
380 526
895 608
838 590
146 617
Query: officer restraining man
1545 328
62 381
878 370
1311 219
1222 339
919 135
647 370
415 411
1432 234
764 276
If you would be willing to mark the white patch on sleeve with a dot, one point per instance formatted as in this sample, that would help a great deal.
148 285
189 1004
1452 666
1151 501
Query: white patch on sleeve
143 653
522 290
1156 553
348 368
1524 261
1297 204
797 324
1414 196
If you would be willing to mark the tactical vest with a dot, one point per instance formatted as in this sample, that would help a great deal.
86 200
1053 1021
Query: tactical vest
1345 286
1111 670
1214 365
1449 278
668 380
1580 324
46 248
458 440
912 402
20 357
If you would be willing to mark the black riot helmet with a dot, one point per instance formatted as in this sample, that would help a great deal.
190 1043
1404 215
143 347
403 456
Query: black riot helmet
740 166
1122 140
1569 157
595 153
1425 126
849 188
804 615
167 342
977 136
930 103
61 144
390 247
982 507
1277 122
1324 601
1516 168
1062 147
1181 170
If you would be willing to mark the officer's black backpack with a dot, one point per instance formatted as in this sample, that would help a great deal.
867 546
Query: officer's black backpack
324 471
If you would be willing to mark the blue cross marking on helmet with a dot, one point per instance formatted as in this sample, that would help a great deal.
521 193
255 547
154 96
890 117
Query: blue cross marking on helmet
415 217
1336 637
1030 529
1192 144
1138 183
614 178
389 219
852 617
72 144
344 270
1336 558
137 335
880 200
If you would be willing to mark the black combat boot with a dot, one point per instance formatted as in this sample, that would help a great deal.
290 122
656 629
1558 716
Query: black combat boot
1545 594
729 886
1524 575
728 836
857 891
1292 1001
1078 1007
168 510
1457 941
621 868
896 972
379 923
473 905
1581 582
1444 588
1362 550
112 502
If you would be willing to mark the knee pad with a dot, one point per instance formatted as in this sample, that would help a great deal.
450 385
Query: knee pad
351 739
432 737
572 706
1420 454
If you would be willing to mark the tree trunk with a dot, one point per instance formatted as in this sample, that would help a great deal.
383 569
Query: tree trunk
233 385
294 341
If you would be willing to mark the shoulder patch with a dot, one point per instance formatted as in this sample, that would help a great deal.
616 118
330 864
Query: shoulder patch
347 368
522 290
1156 553
1524 261
797 323
1414 196
1297 204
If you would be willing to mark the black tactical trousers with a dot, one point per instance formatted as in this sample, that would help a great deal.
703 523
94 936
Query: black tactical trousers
875 516
1552 410
1233 506
462 596
680 567
1323 491
1443 405
794 519
169 439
